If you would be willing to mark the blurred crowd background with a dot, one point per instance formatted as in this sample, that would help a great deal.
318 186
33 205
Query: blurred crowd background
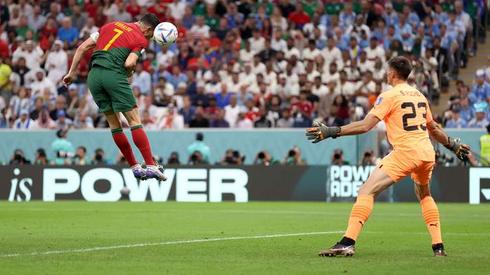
244 64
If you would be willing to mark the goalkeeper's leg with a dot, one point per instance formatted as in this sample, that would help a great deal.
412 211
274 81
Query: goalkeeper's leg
430 212
377 182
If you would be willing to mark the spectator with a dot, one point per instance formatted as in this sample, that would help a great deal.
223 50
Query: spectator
55 12
455 120
67 33
41 157
187 111
37 19
20 71
338 158
62 148
199 121
43 87
19 158
99 157
232 157
121 160
83 121
481 89
173 159
219 121
332 46
466 111
148 121
121 14
80 157
298 16
78 18
24 122
56 63
200 30
60 105
294 157
19 102
480 120
368 158
188 19
244 122
142 79
199 146
175 77
264 158
88 28
286 121
44 121
163 92
172 120
23 28
196 158
263 121
223 97
232 111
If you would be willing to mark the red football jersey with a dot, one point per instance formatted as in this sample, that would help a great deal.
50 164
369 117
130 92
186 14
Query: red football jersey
115 42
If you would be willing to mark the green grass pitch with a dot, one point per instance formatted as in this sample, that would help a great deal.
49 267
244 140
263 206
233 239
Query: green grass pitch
233 238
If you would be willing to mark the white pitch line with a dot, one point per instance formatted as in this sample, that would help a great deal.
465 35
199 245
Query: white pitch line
101 248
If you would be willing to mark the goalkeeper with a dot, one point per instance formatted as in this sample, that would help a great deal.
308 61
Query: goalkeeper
409 125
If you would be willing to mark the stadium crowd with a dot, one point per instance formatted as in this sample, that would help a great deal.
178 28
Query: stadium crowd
242 64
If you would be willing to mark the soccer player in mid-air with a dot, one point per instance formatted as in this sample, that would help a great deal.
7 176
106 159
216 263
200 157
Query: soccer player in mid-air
409 124
117 47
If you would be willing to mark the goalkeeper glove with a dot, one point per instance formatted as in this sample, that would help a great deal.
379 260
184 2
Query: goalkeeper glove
459 149
320 131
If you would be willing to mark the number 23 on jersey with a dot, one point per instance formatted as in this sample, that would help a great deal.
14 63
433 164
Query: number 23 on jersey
414 111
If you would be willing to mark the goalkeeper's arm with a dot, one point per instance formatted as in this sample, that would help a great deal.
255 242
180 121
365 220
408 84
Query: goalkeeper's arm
454 144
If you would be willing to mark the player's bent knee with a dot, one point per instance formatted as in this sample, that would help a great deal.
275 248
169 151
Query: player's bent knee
422 191
365 190
132 117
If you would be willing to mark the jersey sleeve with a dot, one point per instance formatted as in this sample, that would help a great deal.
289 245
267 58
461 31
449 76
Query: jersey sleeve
382 107
139 47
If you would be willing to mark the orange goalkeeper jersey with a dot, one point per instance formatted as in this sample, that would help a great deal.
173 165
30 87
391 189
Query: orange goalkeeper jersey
406 113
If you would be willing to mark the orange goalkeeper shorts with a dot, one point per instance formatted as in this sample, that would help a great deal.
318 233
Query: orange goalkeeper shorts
397 166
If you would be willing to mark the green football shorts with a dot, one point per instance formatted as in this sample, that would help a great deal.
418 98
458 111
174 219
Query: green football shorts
111 90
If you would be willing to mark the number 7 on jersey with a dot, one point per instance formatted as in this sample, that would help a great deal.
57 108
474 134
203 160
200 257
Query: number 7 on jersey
113 39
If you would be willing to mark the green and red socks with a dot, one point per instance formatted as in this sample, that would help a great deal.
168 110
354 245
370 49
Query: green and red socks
122 142
140 139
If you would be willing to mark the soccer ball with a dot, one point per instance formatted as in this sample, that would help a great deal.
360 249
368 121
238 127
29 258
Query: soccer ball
125 191
165 33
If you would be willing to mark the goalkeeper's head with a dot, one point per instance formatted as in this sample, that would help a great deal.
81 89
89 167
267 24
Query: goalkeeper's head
399 68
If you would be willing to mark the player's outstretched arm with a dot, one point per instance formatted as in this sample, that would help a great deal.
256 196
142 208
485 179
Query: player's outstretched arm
88 44
320 131
436 132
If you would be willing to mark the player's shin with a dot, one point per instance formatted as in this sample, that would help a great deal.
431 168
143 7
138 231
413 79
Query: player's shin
359 215
123 144
431 218
141 140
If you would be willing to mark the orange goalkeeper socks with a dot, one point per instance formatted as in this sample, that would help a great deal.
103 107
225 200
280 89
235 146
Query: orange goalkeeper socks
431 218
359 215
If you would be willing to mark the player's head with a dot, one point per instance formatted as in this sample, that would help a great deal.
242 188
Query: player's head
148 23
399 68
